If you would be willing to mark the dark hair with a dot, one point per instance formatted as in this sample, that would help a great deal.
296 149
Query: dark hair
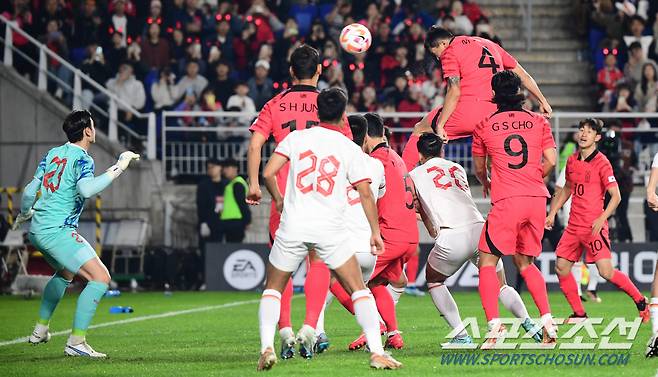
230 162
375 125
644 84
238 83
359 127
76 123
506 85
388 133
635 45
637 18
430 145
331 105
304 62
593 123
213 161
435 35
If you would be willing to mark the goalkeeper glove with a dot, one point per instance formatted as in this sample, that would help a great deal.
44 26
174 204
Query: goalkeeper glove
122 164
22 218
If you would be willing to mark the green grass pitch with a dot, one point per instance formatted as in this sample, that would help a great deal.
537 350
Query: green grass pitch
224 341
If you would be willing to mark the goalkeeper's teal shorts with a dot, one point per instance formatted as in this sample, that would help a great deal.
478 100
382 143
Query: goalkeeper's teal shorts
64 249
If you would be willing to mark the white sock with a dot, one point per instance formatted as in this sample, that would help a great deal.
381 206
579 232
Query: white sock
653 309
319 328
577 271
365 311
395 293
74 340
447 306
593 277
511 300
268 317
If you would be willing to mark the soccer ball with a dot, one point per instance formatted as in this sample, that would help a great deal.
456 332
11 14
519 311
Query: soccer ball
355 38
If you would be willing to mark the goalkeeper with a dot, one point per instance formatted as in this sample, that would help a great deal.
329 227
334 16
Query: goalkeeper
65 177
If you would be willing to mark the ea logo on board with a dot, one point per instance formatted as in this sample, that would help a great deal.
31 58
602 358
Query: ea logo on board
244 269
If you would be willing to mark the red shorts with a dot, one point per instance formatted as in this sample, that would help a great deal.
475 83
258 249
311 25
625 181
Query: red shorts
575 240
390 264
467 115
515 226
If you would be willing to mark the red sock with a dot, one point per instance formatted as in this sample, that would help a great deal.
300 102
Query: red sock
342 296
489 288
412 269
385 306
570 289
286 300
625 284
537 288
316 287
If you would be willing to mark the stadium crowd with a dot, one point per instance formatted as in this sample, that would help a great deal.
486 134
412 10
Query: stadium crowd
232 55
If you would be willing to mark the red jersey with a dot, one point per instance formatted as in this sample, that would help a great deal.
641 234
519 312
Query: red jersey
474 60
515 142
290 110
397 216
589 179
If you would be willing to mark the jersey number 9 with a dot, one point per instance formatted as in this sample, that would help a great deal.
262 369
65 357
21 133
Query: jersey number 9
523 152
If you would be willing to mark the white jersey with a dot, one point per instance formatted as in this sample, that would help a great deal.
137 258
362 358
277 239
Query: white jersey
355 217
322 163
443 191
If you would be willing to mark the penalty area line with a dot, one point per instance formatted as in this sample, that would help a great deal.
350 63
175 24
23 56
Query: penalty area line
140 319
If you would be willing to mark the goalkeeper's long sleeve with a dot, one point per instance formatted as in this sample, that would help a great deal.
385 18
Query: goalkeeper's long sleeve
88 187
30 194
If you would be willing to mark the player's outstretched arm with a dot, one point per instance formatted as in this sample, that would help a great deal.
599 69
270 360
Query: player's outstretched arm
253 166
90 186
370 209
449 106
480 163
530 84
549 162
27 201
275 164
652 199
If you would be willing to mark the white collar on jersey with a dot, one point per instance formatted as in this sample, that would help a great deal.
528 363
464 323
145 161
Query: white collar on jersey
75 145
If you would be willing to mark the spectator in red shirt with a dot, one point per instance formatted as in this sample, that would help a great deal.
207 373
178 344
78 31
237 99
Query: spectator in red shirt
472 10
608 77
156 53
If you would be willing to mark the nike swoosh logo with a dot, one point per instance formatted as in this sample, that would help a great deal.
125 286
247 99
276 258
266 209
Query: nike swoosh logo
78 351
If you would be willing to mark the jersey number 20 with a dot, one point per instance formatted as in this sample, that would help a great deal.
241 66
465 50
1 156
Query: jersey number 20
325 176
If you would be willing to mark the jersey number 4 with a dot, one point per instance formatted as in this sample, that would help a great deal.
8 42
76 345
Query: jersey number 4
459 181
324 183
487 61
48 177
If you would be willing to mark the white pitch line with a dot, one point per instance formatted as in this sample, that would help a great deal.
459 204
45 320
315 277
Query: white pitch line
142 318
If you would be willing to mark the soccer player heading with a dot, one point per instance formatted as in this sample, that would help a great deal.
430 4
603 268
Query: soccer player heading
315 199
589 177
522 152
65 178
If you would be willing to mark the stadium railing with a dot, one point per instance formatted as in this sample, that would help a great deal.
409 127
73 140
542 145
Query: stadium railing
44 75
182 153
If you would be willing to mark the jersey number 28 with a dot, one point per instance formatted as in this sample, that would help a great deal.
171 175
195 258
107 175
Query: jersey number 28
328 169
459 181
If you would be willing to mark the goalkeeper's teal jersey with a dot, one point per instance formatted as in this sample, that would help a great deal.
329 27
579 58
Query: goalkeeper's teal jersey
60 204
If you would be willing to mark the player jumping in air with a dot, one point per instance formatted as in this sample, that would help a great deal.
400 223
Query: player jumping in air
652 201
522 152
292 109
468 65
452 218
322 163
589 176
65 178
358 226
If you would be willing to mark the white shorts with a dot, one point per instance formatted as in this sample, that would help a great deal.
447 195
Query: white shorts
454 247
367 263
286 255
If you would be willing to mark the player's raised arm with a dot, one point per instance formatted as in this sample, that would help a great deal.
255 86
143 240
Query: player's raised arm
88 185
529 83
449 106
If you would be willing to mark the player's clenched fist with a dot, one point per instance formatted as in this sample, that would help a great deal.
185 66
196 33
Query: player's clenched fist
254 195
550 221
122 163
376 244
